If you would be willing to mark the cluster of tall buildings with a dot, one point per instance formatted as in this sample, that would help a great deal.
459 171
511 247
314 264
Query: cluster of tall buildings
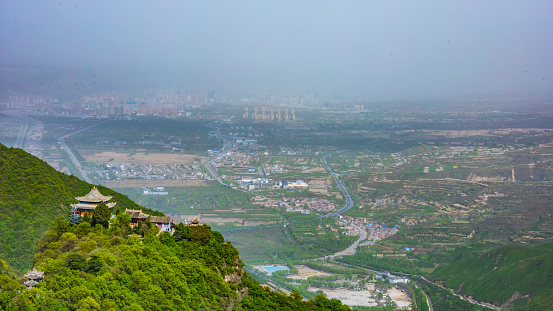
150 102
270 114
25 101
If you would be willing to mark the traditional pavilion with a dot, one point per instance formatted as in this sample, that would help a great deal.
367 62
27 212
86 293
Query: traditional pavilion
195 221
88 203
33 277
136 216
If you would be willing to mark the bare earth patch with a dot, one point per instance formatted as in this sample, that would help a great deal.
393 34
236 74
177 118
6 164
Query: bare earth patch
304 272
349 297
141 158
364 297
402 299
314 170
320 191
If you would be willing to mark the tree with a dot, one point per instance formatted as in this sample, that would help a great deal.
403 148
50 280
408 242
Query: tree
94 264
182 232
295 295
101 215
75 219
121 222
75 261
141 228
201 234
60 225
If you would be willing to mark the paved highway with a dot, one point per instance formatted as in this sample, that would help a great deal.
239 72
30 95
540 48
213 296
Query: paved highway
227 146
210 166
61 141
263 277
341 186
22 130
21 134
351 249
77 164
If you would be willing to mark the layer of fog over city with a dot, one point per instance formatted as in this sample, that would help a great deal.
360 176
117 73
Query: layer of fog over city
382 155
366 49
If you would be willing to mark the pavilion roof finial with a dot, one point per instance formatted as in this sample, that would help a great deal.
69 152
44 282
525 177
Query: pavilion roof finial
195 220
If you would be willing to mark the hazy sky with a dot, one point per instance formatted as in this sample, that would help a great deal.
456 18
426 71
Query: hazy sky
375 49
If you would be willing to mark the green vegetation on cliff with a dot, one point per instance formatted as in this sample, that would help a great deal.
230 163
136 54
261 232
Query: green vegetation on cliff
93 268
442 299
32 194
96 268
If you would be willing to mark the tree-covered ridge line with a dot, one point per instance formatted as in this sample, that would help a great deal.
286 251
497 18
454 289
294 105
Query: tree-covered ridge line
33 194
441 299
111 267
515 276
93 268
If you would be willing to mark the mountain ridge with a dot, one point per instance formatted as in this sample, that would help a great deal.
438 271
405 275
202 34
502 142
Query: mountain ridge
97 268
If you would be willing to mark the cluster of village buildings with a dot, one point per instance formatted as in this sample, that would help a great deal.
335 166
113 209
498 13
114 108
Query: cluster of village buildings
288 151
121 171
302 205
234 160
375 231
268 169
269 184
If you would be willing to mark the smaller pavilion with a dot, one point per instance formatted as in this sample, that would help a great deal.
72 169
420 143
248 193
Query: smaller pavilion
194 221
87 204
136 216
33 277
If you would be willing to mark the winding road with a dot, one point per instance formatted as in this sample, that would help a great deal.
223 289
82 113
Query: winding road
210 167
341 186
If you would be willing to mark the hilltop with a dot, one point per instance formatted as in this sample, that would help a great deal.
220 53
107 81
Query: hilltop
93 268
33 194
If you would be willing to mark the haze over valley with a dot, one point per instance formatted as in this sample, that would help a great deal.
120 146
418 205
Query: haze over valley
288 156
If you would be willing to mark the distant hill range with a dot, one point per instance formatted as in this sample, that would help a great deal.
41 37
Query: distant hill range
50 81
514 276
66 83
32 194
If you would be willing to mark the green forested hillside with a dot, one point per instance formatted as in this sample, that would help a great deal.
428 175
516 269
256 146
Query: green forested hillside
92 268
32 194
507 272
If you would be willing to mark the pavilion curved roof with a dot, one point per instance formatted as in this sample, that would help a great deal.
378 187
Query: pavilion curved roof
31 283
160 219
91 207
94 196
136 214
34 274
195 220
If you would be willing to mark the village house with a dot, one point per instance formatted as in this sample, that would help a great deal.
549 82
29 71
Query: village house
164 223
136 216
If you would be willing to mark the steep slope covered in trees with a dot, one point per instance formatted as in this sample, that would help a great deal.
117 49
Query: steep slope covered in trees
517 275
97 268
93 268
32 194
